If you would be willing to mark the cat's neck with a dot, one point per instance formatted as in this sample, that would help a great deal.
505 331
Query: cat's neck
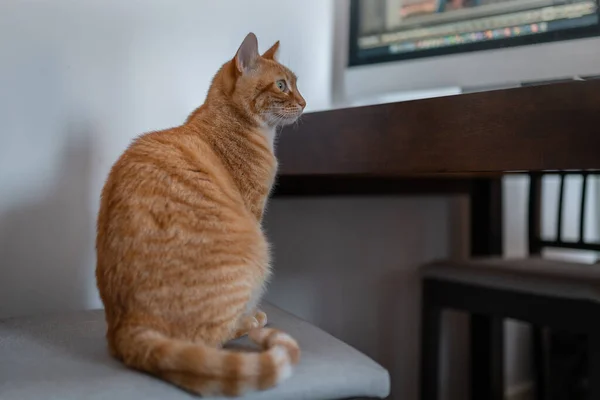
219 118
244 146
270 133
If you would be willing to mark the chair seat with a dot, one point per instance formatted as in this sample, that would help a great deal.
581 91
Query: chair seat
530 275
64 357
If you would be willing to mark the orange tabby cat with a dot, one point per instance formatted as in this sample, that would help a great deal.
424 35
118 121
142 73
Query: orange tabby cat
182 261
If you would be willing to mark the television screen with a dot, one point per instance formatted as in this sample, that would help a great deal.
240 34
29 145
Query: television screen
389 30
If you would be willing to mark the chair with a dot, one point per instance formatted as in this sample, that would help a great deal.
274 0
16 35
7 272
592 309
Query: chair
64 357
560 299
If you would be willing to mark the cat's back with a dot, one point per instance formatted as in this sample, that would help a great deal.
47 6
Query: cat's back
165 179
178 158
172 151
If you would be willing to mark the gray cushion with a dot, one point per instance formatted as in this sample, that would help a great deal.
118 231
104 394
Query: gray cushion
64 357
531 275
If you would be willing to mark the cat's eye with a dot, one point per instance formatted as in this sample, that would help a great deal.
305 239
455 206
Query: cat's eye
282 85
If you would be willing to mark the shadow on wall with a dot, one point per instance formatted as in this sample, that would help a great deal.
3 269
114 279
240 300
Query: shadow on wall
44 244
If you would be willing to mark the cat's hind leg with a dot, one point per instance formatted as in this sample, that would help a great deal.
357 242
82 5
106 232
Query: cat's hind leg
248 322
245 324
261 317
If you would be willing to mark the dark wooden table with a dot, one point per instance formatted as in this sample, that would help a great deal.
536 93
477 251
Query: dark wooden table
458 144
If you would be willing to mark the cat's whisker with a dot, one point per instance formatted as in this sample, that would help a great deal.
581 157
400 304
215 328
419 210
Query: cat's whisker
297 122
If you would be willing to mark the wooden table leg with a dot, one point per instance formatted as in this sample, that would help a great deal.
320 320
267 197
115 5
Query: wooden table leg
594 366
431 321
487 367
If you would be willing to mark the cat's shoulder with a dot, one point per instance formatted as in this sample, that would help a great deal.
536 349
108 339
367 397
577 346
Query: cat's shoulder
167 140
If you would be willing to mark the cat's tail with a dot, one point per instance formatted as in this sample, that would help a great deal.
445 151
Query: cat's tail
210 371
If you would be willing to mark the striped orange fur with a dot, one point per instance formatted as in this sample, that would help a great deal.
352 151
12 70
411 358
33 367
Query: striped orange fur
182 260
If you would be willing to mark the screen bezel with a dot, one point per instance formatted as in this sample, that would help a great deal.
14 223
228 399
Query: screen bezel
556 36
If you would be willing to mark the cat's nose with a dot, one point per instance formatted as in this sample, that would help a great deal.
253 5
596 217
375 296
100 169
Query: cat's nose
302 102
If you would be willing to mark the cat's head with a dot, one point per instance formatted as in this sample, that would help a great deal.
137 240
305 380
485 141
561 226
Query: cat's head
263 87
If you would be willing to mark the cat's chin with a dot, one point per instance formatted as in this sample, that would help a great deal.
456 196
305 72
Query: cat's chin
287 121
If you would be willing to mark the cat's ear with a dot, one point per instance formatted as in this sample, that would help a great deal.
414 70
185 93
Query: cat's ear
271 54
247 54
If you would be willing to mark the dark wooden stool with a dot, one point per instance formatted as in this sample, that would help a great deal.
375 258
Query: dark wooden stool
551 295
